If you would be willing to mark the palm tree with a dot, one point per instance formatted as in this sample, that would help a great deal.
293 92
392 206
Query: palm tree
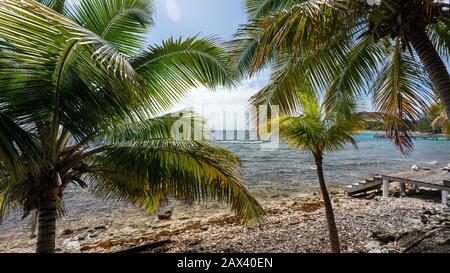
321 129
395 52
81 103
440 119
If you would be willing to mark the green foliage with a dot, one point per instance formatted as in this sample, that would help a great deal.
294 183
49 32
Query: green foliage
322 128
342 48
375 126
123 23
80 106
174 67
424 125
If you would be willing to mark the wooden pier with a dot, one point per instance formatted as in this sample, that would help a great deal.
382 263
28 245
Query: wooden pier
364 186
437 179
433 179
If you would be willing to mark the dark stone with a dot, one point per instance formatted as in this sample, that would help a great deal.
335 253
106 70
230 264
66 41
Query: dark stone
100 227
195 250
443 242
67 232
165 216
385 238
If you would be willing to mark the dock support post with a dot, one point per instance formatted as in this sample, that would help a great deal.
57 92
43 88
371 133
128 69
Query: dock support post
402 188
385 188
445 197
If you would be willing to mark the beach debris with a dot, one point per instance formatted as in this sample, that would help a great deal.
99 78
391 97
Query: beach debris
145 247
415 168
286 229
435 231
374 247
67 232
100 227
71 246
311 207
165 216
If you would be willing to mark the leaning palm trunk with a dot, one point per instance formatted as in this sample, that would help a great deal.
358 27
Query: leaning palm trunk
332 229
434 66
46 226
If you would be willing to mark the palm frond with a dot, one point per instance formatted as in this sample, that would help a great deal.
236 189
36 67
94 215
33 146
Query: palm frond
402 88
443 122
290 75
439 34
123 23
53 69
187 170
163 127
305 26
262 8
357 72
57 5
177 66
18 149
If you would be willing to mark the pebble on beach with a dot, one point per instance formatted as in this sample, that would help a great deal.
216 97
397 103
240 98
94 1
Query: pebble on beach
294 223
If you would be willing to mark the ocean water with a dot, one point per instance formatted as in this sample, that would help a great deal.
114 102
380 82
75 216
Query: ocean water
285 167
281 170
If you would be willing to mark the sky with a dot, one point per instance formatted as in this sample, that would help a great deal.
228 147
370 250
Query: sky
218 18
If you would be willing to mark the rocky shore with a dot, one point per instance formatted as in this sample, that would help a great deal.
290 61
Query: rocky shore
301 227
295 223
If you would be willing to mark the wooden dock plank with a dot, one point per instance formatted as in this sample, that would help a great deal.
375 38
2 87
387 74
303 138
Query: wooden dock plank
433 179
424 178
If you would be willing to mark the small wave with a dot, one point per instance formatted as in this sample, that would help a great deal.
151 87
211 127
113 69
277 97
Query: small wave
430 162
240 142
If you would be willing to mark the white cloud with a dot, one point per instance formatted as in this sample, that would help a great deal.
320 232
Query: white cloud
222 105
173 10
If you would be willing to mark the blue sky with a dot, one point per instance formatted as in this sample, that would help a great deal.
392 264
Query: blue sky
219 18
190 17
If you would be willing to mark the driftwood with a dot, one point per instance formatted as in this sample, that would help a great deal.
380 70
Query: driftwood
145 247
419 240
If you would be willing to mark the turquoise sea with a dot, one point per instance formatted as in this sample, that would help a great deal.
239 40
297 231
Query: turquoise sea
288 168
284 171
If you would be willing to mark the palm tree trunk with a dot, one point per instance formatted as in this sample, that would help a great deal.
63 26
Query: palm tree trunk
47 226
434 66
332 229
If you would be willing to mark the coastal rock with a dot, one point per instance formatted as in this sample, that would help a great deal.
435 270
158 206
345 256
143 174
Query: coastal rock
100 227
165 216
374 247
443 242
67 232
72 246
385 238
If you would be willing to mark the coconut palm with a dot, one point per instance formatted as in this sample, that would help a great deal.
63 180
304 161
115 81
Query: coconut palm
394 52
81 103
321 129
440 119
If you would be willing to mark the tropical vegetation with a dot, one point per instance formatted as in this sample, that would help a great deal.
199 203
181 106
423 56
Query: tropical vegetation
320 129
393 52
81 103
440 121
